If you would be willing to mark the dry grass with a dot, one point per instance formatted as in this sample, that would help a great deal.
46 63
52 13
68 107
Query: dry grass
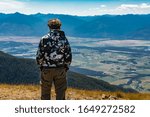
32 92
19 92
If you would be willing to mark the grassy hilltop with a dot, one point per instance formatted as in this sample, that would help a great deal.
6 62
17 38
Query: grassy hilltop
32 92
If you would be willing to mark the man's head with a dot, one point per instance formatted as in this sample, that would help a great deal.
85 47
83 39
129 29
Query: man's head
54 24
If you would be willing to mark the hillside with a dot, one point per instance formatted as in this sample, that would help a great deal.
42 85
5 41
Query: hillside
105 26
24 71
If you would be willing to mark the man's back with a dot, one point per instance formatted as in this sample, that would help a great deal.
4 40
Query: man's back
54 50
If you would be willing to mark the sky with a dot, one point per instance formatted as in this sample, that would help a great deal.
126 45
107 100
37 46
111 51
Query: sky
76 7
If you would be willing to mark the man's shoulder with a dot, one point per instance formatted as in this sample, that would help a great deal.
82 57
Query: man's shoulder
47 36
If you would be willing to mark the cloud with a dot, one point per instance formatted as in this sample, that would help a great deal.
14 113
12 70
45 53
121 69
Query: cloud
125 6
103 6
143 8
140 6
8 6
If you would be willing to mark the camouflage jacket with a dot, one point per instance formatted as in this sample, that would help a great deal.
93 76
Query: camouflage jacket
54 50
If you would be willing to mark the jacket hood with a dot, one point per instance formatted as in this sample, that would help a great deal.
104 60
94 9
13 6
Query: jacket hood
57 32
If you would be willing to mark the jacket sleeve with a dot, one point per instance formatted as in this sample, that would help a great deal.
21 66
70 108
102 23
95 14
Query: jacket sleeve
40 53
68 54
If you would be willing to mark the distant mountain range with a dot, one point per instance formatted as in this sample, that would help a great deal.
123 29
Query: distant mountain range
15 70
105 26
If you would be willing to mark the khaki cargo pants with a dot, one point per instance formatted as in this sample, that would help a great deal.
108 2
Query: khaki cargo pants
56 76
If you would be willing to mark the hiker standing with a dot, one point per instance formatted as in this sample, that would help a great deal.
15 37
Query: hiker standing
54 58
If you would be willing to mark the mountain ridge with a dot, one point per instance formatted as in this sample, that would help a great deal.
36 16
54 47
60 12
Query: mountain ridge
105 26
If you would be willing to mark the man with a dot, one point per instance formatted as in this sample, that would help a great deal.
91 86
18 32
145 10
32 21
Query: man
54 58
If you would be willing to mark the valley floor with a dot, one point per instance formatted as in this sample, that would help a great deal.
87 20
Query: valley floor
32 92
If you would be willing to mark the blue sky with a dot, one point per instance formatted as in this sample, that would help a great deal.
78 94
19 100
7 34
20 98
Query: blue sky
76 7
